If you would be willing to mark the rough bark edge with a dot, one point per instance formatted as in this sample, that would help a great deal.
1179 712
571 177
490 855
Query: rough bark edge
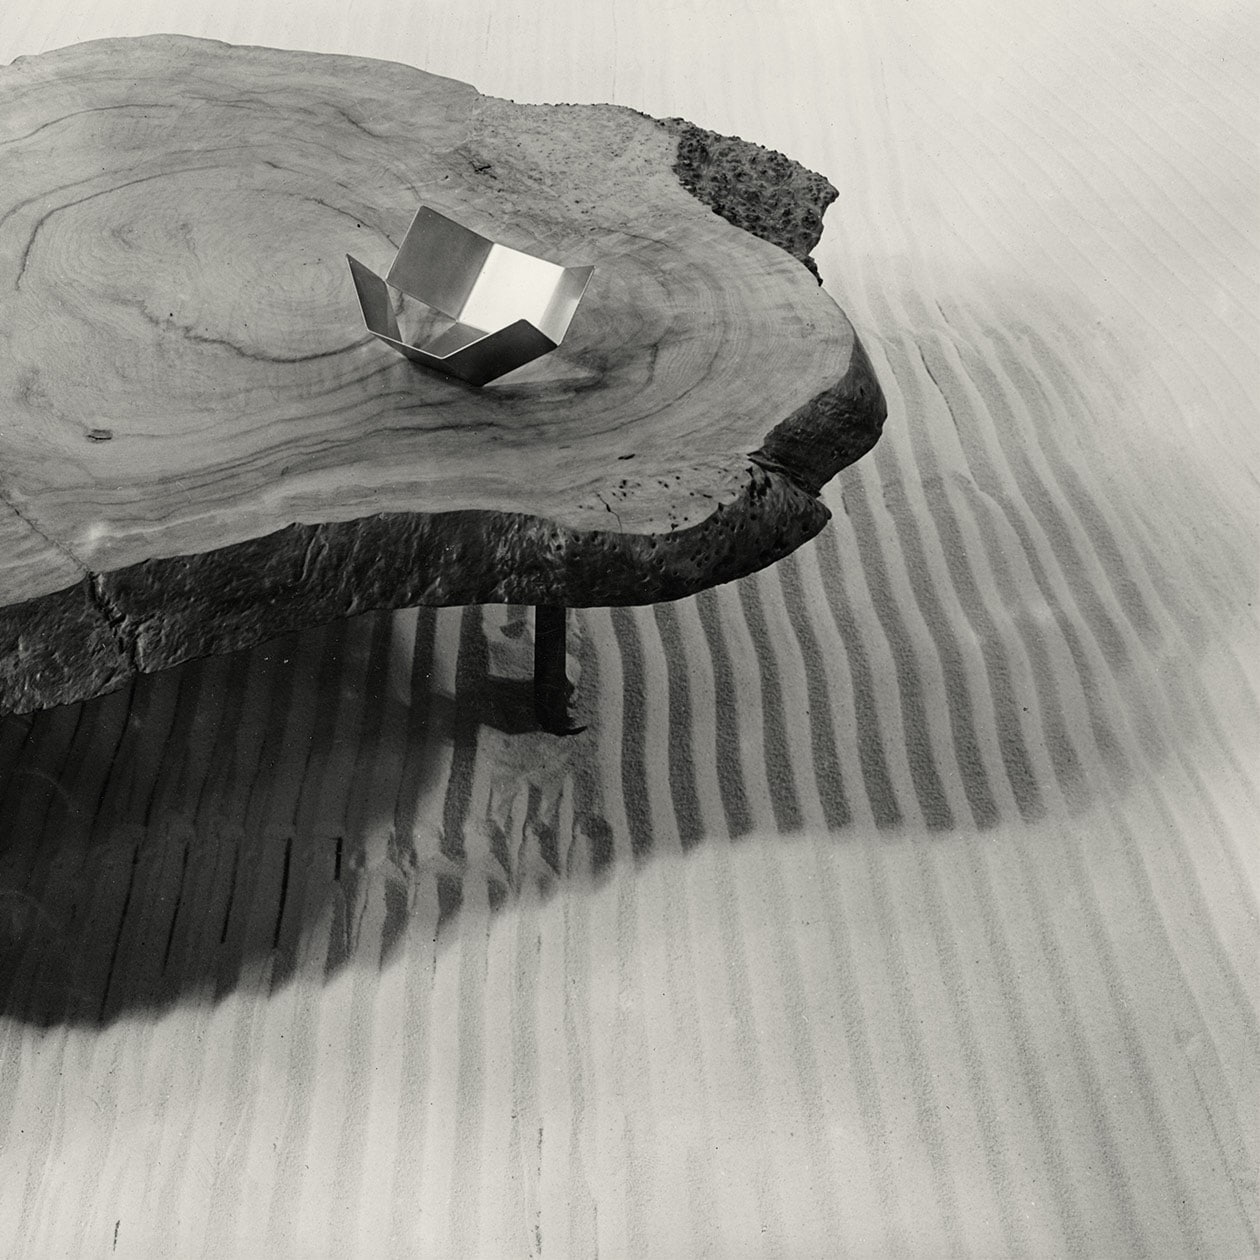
93 637
755 188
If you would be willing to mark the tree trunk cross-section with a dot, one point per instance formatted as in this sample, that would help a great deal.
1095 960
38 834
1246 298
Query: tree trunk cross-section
201 447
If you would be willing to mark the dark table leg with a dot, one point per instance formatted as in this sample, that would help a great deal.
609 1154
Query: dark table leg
551 681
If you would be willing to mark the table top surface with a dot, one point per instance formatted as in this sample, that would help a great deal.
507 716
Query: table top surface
187 367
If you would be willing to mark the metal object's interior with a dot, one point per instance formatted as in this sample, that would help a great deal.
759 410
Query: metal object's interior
486 309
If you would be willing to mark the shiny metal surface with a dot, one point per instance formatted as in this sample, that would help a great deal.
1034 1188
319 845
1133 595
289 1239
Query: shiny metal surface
470 307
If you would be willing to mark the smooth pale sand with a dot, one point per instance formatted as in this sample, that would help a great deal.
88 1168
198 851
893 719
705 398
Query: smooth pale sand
898 901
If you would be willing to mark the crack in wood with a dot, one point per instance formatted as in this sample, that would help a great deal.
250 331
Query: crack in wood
115 618
59 547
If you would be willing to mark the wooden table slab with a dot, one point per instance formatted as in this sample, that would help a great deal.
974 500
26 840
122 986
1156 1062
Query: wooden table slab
200 447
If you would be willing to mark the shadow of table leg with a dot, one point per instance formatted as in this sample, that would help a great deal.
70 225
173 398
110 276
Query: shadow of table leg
551 681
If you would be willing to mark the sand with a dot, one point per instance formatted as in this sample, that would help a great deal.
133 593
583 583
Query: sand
901 900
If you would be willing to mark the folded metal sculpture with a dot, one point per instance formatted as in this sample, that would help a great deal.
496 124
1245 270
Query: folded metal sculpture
487 309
